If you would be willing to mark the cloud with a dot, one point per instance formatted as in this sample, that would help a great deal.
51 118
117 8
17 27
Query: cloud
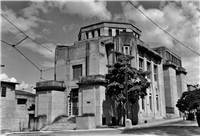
47 50
4 77
85 9
21 86
28 20
180 19
25 87
68 28
46 31
48 64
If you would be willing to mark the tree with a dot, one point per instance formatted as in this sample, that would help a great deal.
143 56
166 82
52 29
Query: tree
124 80
189 101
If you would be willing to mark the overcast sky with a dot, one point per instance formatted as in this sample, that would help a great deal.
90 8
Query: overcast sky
58 22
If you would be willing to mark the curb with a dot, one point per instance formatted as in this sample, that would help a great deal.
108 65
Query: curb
103 129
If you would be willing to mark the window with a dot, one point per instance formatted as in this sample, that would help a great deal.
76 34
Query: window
21 101
124 30
126 49
150 102
117 32
157 103
140 64
149 69
92 34
179 63
87 37
3 93
109 32
99 33
167 55
143 103
77 71
155 73
74 98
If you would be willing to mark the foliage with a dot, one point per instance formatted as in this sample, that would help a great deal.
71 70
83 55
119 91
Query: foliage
136 80
189 101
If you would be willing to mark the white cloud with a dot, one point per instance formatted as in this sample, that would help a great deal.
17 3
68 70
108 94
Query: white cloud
180 19
25 87
4 77
68 28
85 9
48 64
47 51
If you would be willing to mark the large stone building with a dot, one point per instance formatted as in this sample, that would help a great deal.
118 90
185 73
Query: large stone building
87 60
174 80
17 108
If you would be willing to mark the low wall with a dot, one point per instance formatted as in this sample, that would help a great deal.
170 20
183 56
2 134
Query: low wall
85 122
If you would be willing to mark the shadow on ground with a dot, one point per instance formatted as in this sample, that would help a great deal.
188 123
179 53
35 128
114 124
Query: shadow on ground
165 130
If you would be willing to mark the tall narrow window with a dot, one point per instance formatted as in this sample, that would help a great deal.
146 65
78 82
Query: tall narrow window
87 36
143 103
117 32
157 103
149 69
150 102
126 50
155 73
167 55
74 101
77 71
3 93
110 32
99 32
93 34
141 64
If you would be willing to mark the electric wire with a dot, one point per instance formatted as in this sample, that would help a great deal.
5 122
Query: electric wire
22 54
163 29
30 39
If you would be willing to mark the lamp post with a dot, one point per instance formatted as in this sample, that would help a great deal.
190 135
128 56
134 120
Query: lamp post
126 89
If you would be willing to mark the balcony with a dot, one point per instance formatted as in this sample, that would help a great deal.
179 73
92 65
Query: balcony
169 63
50 85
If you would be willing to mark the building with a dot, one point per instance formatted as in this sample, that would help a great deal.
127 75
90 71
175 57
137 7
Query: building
174 80
90 55
17 108
50 101
83 65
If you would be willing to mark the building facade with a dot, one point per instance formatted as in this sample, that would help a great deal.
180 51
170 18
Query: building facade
17 108
82 68
174 80
91 54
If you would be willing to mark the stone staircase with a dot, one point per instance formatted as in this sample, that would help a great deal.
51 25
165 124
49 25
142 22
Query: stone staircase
65 123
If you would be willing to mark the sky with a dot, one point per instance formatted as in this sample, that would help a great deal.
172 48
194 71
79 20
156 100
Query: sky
52 23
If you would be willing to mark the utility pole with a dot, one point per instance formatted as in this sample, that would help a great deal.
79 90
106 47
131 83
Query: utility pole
126 89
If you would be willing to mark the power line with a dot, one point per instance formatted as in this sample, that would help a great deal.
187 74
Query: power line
26 34
163 29
22 55
31 39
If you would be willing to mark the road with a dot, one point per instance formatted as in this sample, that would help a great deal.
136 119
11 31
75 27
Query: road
180 128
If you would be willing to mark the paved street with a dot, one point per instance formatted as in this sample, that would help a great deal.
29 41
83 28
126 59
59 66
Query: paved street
180 128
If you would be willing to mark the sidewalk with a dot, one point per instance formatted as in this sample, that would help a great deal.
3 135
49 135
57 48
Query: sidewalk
146 125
